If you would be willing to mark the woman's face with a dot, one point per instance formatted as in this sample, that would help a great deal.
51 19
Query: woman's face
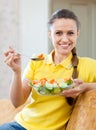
63 34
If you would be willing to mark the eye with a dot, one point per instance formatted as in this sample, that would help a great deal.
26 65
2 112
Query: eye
59 33
70 33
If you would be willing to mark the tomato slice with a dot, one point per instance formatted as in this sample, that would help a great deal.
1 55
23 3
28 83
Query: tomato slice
43 81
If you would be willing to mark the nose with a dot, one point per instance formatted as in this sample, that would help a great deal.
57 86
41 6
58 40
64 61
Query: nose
65 38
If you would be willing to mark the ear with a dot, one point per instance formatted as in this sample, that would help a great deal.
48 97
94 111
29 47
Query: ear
49 34
78 33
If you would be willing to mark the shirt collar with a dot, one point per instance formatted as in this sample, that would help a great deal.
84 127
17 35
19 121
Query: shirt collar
65 63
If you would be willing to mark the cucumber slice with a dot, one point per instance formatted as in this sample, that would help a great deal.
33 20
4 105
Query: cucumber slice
63 85
69 82
43 90
49 86
56 90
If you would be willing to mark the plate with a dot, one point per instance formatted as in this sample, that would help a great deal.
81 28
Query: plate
51 91
51 87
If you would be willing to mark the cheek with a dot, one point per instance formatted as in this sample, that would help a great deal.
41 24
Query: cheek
55 42
54 39
74 39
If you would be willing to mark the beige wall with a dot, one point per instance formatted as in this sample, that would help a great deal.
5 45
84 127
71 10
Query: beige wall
9 36
23 25
33 24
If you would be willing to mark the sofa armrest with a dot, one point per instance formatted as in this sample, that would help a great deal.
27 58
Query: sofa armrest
8 111
83 116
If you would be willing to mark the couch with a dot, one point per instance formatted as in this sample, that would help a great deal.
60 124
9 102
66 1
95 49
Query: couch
8 111
83 116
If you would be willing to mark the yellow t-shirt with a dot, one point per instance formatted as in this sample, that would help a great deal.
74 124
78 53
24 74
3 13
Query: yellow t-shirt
52 112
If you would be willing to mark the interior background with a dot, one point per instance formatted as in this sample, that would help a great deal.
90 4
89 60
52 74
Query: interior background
23 25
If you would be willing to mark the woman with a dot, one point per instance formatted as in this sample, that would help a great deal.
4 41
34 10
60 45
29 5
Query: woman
51 112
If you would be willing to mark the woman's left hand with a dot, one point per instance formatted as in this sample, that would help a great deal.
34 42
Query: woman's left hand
79 87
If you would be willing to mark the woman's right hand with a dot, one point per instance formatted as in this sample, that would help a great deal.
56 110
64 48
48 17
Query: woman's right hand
13 60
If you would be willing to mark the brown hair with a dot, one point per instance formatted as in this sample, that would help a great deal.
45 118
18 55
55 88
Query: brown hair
75 62
66 14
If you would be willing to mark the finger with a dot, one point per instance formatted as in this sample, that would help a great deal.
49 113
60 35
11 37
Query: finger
77 81
11 59
73 90
71 94
8 57
10 62
17 54
10 50
6 53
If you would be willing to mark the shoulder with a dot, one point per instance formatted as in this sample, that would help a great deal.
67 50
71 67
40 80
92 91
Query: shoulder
87 61
87 68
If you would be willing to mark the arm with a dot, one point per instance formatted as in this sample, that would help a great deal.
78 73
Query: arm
19 90
90 86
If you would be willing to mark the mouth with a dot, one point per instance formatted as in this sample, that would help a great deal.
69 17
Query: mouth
65 46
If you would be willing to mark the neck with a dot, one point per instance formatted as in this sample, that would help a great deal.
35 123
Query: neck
59 58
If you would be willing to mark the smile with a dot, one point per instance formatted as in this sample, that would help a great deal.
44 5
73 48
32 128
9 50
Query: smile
64 45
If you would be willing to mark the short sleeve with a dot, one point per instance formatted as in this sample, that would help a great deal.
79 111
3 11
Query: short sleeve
87 69
29 71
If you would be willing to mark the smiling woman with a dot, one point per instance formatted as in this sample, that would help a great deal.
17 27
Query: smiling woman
62 63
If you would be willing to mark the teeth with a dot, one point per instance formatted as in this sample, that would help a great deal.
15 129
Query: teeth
64 44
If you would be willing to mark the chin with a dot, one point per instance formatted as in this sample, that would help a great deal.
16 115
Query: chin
65 53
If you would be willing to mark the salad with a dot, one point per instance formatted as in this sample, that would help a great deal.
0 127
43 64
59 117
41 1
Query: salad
51 87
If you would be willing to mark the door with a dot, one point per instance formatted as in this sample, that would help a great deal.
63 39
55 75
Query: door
86 12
